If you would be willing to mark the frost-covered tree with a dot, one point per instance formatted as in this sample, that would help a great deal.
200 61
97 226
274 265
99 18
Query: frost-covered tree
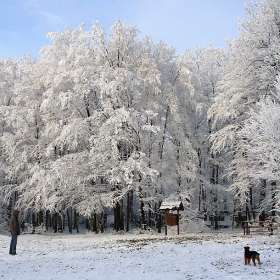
43 126
206 71
250 74
261 148
100 118
250 70
172 153
21 122
126 75
22 139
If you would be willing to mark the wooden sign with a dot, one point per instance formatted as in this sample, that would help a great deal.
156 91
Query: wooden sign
172 219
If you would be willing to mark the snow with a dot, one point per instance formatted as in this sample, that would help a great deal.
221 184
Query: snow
216 255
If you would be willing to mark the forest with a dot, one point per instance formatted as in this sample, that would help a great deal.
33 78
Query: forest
114 124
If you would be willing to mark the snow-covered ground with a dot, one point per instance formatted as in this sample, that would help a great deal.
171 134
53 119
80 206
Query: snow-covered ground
143 256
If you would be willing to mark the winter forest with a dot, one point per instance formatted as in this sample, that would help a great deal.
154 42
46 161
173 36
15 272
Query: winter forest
112 125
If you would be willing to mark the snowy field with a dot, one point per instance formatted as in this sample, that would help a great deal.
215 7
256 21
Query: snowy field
129 256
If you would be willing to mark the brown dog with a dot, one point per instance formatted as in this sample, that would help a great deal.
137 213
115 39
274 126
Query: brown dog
248 255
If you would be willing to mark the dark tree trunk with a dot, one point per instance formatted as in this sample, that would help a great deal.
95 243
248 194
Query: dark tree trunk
247 212
102 226
150 215
60 223
251 202
69 217
239 219
214 195
142 212
262 197
48 220
273 198
76 218
127 210
95 228
117 217
41 218
158 217
88 224
122 216
34 221
55 222
202 193
131 206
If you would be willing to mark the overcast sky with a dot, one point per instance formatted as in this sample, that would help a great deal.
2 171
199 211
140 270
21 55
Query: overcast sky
180 23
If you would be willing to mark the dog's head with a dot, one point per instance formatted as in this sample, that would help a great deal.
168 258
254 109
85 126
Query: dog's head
246 247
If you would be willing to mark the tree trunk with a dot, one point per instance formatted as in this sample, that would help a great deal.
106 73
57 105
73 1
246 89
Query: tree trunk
48 220
150 215
88 223
202 193
33 221
117 217
102 222
131 219
262 197
127 210
95 228
55 222
69 217
60 223
214 196
76 218
142 212
251 202
158 217
41 218
247 212
273 198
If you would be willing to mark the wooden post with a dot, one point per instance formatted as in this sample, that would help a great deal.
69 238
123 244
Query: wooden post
165 225
246 228
178 221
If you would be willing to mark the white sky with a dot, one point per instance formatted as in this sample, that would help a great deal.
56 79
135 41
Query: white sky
180 23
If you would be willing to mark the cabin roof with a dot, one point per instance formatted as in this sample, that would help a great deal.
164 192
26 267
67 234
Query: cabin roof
172 205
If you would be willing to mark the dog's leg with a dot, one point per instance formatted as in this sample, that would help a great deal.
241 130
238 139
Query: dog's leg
253 260
258 259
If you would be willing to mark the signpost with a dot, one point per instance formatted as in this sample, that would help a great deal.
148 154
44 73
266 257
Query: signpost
171 219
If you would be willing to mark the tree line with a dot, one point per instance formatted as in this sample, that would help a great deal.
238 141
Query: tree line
113 123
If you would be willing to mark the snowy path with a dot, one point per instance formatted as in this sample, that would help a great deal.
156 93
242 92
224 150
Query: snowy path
205 256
